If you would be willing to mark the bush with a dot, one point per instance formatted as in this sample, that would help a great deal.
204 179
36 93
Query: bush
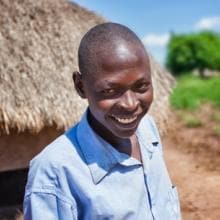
191 91
187 52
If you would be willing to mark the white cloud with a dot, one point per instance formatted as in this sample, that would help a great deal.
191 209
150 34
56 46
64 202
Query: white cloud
156 40
208 23
156 45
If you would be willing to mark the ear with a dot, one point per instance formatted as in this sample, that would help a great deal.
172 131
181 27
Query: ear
78 83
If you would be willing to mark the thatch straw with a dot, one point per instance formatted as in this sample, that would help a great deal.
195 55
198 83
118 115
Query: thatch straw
38 47
163 83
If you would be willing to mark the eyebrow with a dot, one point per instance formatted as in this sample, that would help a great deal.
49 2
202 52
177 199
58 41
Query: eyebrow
112 84
106 84
145 79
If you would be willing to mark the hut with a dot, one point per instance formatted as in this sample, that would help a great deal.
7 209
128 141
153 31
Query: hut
38 47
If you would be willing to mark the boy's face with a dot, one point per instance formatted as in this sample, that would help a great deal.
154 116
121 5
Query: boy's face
120 92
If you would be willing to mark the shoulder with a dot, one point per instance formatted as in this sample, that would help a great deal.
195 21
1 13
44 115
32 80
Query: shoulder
54 152
47 167
149 124
149 130
46 186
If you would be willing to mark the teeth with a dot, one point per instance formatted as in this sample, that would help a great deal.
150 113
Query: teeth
125 120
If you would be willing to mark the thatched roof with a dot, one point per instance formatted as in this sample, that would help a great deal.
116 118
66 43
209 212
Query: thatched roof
38 47
163 83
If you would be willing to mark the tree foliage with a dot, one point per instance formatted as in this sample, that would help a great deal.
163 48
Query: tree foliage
193 51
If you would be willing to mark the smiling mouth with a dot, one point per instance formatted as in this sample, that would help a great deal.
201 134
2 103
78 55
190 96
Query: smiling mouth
125 120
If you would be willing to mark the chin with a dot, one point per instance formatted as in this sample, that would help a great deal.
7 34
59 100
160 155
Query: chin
124 130
124 133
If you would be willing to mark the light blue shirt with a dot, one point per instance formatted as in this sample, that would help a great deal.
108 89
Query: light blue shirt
81 176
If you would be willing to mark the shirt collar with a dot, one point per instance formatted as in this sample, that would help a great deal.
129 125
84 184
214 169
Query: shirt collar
99 155
147 134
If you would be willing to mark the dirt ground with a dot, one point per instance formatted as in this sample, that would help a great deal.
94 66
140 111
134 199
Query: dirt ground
193 159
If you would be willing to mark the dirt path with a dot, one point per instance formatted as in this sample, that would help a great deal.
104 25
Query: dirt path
199 188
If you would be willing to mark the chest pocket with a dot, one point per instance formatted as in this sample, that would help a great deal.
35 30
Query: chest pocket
164 196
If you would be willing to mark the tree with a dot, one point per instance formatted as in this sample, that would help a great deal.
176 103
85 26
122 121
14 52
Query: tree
193 51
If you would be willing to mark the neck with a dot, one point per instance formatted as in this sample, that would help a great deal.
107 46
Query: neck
103 132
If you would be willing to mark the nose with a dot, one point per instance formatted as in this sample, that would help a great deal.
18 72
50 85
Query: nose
129 101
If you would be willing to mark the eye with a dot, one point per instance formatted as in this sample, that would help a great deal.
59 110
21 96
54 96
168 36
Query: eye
108 91
143 87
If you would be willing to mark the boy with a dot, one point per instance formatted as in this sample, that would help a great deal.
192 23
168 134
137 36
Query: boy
109 165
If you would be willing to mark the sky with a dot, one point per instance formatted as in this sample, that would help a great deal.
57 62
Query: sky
154 20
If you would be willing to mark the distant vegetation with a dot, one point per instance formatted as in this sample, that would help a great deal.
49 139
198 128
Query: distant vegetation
192 91
187 52
191 96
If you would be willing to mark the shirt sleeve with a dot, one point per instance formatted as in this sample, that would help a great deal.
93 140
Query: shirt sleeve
41 206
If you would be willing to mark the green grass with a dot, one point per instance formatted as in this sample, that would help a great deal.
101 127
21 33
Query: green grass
192 122
216 117
192 91
216 130
189 119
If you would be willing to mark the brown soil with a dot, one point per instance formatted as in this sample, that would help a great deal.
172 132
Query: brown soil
192 156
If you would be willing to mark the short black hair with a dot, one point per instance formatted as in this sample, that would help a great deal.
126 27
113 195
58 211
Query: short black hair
102 37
